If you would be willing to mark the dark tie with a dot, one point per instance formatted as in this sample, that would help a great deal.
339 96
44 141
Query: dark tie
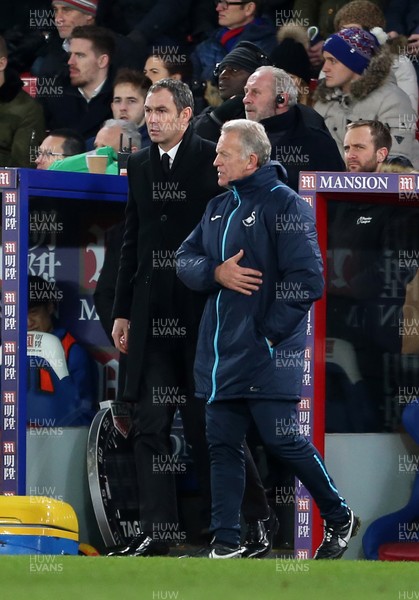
165 163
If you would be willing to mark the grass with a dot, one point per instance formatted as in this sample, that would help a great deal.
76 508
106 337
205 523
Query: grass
91 578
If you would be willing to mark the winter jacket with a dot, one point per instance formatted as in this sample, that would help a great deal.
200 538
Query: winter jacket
211 52
209 122
276 230
21 121
296 137
374 96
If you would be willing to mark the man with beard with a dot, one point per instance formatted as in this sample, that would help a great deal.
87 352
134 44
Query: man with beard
366 146
366 287
84 103
296 132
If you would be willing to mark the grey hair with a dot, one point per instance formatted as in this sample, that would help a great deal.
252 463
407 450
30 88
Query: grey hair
253 138
283 82
129 130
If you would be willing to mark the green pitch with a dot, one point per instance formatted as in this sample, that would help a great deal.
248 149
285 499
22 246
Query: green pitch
102 578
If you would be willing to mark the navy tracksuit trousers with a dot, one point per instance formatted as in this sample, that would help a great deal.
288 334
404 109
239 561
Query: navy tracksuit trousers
276 420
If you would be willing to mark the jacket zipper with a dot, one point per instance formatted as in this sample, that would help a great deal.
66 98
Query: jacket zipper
217 305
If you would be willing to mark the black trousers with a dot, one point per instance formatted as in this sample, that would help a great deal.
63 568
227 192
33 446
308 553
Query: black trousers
168 384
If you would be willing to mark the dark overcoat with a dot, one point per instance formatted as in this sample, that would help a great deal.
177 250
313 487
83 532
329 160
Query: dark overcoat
161 212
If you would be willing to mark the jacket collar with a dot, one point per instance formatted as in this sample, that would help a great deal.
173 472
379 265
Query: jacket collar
271 174
180 166
281 122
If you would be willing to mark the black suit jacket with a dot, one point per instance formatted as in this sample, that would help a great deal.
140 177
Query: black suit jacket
161 212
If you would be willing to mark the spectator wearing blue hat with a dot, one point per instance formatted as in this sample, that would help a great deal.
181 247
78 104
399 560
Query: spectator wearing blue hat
356 86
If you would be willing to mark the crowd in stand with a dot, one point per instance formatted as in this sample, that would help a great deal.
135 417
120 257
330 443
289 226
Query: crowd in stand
94 60
305 73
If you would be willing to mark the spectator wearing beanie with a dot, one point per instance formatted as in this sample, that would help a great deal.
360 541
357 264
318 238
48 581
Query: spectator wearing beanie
68 14
232 72
291 55
357 86
369 16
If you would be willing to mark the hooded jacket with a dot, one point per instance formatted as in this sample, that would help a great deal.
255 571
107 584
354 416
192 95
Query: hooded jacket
275 228
373 96
403 69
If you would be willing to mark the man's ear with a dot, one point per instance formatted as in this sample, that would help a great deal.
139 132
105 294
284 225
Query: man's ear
253 162
382 154
103 61
3 63
187 111
250 9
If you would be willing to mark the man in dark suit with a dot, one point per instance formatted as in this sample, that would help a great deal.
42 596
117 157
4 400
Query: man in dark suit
157 317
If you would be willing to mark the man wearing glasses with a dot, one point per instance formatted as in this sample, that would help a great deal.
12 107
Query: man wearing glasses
59 144
238 21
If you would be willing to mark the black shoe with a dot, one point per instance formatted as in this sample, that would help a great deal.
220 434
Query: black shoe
217 550
142 545
259 536
336 538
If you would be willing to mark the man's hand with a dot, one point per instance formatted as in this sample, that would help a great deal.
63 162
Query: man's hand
315 54
120 334
239 279
413 46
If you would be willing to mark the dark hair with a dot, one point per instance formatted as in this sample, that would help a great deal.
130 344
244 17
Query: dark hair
258 6
181 92
136 78
103 40
176 63
73 143
380 133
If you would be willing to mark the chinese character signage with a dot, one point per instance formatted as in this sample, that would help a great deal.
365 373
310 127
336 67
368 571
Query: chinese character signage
9 438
